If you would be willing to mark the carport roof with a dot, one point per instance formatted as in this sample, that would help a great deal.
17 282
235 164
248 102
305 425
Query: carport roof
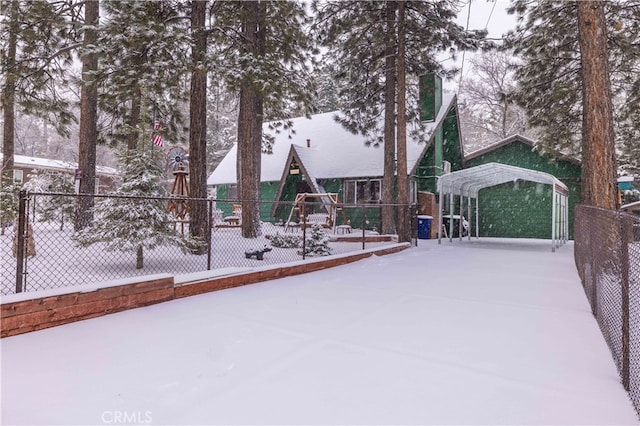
469 182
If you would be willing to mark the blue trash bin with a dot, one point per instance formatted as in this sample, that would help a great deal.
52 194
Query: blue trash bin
424 226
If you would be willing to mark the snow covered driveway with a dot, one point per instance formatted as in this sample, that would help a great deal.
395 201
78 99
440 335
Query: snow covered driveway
488 332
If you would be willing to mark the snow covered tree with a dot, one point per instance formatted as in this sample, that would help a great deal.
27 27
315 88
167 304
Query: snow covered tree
488 111
87 139
222 116
133 224
361 38
599 171
8 204
264 54
52 208
36 43
317 244
143 71
198 226
550 76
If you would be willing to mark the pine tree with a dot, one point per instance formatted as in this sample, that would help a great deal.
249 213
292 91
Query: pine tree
550 78
317 244
52 208
599 171
87 139
198 122
362 38
264 55
143 71
9 197
38 39
133 224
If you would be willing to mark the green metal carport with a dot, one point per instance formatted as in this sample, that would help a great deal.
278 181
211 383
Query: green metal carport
467 183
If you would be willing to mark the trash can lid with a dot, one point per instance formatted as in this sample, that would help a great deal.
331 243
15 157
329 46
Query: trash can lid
424 216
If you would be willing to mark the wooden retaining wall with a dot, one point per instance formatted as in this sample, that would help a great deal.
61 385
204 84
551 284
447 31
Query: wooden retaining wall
26 312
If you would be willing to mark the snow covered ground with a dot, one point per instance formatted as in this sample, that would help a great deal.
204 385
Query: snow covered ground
60 263
481 332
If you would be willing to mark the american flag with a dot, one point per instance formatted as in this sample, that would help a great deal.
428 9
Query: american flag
156 138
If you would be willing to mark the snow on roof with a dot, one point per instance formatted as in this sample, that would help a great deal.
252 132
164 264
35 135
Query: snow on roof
47 163
469 181
334 152
516 138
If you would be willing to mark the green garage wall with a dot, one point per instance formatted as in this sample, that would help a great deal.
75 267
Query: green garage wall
523 209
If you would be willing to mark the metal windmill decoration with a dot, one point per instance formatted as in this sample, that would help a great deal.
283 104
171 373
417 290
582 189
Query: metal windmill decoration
177 158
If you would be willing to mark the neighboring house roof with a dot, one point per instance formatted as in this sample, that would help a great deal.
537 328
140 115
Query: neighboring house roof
334 152
511 139
24 161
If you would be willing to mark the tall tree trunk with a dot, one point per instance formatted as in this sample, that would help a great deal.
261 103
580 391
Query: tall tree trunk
404 219
198 124
8 97
250 125
388 179
599 187
134 119
8 113
88 116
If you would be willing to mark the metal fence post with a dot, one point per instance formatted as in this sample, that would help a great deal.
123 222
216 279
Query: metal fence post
364 220
209 226
626 234
20 240
303 221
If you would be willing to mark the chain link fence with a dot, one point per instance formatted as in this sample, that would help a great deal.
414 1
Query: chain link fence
44 247
607 255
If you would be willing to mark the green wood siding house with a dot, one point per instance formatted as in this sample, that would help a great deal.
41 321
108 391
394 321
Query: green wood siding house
521 209
327 158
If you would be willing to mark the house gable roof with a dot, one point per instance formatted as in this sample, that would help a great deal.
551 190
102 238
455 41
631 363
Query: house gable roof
334 152
511 139
23 161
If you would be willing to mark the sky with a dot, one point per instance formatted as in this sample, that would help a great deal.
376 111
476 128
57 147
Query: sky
490 15
485 331
479 15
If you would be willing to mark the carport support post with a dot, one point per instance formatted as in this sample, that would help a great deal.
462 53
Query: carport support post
451 217
553 218
440 211
461 209
469 215
477 217
566 218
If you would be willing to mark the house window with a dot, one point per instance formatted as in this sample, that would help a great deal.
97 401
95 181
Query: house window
362 191
18 176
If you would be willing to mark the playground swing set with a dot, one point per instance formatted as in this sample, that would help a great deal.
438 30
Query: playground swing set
330 203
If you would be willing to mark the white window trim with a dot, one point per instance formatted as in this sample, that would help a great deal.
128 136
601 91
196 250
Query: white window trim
354 190
18 176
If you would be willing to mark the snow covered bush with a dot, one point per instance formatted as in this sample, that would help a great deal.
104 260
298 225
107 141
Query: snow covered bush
132 224
285 241
9 195
317 244
53 208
